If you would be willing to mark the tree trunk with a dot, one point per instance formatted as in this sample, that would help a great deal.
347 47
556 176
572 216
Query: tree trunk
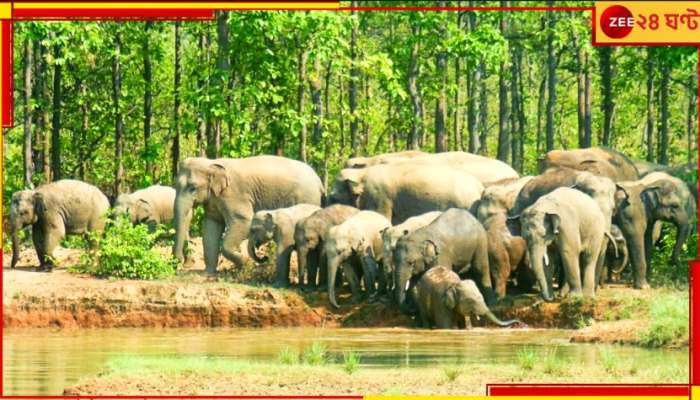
473 77
221 79
588 129
650 105
413 72
483 111
315 86
327 109
441 101
663 129
551 81
690 115
27 145
517 114
37 112
606 75
56 172
580 92
354 78
301 95
147 98
503 111
118 128
46 142
176 102
456 112
82 157
540 108
203 105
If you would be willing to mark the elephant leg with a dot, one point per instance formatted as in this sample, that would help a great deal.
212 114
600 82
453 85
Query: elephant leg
590 262
283 258
211 237
443 319
600 268
369 271
353 280
235 233
572 271
382 280
322 274
47 242
38 239
648 247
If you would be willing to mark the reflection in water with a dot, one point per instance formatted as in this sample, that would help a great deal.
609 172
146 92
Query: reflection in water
42 362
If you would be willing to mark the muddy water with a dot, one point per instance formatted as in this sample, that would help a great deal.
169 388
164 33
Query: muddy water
41 362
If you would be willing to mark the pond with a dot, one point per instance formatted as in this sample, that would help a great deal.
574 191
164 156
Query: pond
44 362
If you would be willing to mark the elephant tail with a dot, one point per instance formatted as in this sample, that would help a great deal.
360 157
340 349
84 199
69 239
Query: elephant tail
500 323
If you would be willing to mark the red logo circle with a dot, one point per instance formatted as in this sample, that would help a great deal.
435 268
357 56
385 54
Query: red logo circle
616 21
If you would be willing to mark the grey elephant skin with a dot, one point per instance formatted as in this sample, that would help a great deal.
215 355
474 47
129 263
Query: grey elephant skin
499 197
656 197
231 191
455 239
386 158
278 226
571 221
353 244
55 210
392 234
616 256
404 189
446 302
309 237
602 161
507 255
152 205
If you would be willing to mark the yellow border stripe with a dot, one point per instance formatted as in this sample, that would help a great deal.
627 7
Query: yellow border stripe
217 6
525 397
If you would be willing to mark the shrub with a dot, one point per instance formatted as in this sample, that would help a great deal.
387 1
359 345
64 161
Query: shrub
351 362
527 358
552 364
288 356
126 251
452 372
316 354
668 315
609 360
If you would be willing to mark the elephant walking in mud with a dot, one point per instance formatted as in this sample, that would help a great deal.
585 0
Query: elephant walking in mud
231 191
446 302
54 210
278 226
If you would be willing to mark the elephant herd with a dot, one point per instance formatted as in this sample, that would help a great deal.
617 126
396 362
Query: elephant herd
443 235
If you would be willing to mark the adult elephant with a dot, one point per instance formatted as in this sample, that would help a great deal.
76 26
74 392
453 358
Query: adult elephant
656 197
362 162
55 210
152 205
401 190
602 161
499 197
231 191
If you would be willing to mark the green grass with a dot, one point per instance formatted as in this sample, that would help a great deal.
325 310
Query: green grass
668 320
610 361
351 362
527 358
552 364
288 356
316 354
452 372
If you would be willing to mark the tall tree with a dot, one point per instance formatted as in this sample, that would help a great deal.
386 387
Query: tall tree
44 121
175 154
551 79
663 128
483 111
354 78
413 90
221 78
690 115
301 94
27 145
473 76
147 97
441 101
118 122
606 77
315 85
503 150
650 67
56 165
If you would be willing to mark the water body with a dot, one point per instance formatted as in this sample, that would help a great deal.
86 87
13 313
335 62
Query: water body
44 362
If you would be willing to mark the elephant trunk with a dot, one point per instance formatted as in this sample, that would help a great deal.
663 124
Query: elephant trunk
183 218
333 264
498 322
683 230
15 227
302 254
253 251
402 283
538 257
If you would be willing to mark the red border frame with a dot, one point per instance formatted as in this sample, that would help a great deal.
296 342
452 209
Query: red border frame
7 119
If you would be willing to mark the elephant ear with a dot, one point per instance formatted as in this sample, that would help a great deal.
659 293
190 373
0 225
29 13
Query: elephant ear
269 221
552 223
39 204
430 251
354 186
451 297
146 207
591 166
621 197
652 196
218 179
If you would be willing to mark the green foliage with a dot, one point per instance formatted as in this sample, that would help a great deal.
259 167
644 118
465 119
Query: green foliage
351 362
452 372
288 356
126 251
668 317
316 354
609 360
527 358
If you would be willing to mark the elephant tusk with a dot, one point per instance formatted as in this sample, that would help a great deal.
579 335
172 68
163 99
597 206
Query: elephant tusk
546 259
408 283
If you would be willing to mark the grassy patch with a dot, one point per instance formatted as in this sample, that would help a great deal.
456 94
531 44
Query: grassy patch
452 372
316 354
668 320
527 358
288 356
351 362
609 361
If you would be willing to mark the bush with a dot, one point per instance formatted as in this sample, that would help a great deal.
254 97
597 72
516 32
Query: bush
316 354
126 251
452 372
288 356
351 362
527 358
668 315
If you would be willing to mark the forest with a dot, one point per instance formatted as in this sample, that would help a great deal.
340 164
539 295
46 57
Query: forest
119 104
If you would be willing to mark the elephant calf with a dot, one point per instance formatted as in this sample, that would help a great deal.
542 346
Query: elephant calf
616 257
55 210
152 205
506 254
309 237
277 225
352 243
446 302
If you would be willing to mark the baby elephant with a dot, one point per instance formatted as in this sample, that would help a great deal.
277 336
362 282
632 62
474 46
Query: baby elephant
446 302
152 205
616 258
277 225
351 244
55 210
